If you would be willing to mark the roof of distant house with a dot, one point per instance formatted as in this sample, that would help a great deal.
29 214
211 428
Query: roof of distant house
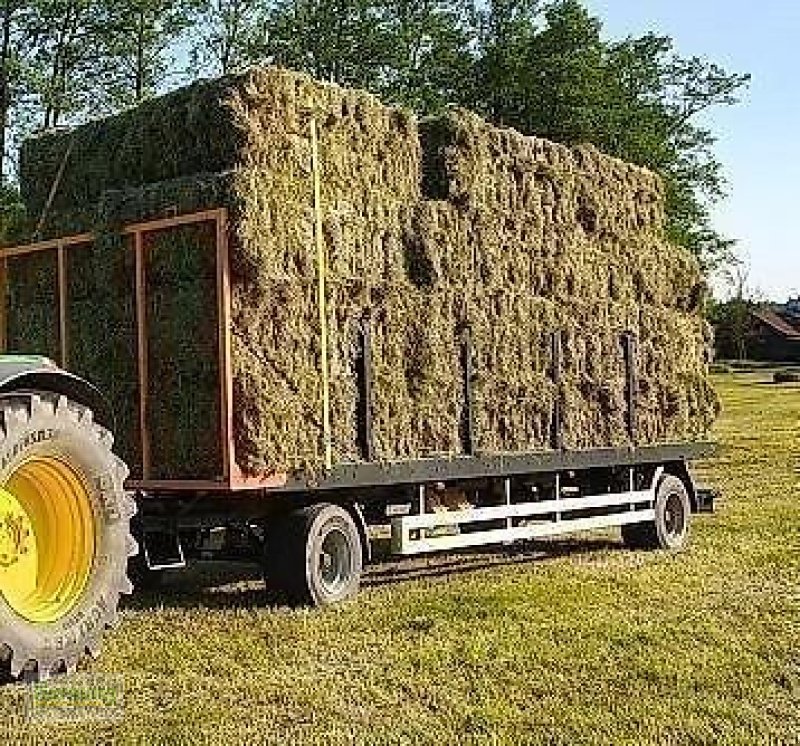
778 323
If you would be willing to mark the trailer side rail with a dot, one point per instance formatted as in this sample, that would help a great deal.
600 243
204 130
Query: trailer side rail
417 534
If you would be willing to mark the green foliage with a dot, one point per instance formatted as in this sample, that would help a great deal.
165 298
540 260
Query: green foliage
549 71
413 52
64 71
17 35
341 40
139 45
230 33
545 68
430 64
733 328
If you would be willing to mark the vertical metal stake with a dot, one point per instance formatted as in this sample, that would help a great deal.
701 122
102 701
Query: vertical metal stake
631 382
558 495
557 434
367 443
468 425
507 485
631 485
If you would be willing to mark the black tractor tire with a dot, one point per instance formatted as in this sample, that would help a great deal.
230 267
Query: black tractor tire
76 466
314 556
670 529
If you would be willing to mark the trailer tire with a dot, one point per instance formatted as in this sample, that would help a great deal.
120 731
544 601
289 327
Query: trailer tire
65 535
670 530
314 556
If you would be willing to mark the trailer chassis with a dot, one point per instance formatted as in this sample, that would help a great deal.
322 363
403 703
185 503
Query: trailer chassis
504 499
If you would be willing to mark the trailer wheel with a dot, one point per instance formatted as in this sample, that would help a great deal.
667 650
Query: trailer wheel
64 535
314 556
670 530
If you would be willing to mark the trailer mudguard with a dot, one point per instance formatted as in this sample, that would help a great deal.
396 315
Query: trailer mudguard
21 373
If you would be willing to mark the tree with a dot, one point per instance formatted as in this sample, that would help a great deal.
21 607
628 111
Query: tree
412 52
342 41
548 71
139 44
430 64
66 66
504 31
16 40
230 32
543 70
733 319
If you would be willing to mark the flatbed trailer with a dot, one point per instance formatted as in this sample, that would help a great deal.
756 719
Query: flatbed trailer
312 533
439 505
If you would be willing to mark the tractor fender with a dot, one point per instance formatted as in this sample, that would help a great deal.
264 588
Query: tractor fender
28 374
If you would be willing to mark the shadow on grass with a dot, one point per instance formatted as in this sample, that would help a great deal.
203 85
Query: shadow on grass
230 585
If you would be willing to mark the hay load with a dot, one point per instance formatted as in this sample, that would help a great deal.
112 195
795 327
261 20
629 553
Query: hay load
431 231
580 236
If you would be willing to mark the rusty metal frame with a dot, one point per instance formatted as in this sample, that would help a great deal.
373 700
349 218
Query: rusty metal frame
63 340
3 309
60 247
65 243
142 363
232 478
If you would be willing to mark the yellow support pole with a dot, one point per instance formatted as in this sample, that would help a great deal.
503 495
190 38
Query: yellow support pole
322 271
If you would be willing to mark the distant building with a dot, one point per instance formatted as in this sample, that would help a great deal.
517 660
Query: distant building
792 309
775 332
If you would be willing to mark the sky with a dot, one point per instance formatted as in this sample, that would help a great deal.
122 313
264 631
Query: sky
759 140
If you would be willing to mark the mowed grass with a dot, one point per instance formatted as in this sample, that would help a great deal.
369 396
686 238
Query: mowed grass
569 643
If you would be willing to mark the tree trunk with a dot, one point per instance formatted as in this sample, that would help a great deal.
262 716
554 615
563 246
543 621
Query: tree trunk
58 76
230 31
5 88
140 72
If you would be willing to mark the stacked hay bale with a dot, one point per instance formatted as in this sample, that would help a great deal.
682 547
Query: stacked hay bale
428 231
556 238
370 156
183 375
32 298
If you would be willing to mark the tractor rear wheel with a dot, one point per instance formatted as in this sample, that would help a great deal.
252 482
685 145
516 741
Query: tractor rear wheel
64 534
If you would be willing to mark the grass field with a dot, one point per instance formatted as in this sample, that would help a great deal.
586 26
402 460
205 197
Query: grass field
566 643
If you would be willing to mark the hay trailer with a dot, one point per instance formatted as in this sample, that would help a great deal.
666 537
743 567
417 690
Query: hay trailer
68 525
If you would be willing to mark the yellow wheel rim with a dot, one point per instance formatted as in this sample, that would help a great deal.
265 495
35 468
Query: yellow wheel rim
47 540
